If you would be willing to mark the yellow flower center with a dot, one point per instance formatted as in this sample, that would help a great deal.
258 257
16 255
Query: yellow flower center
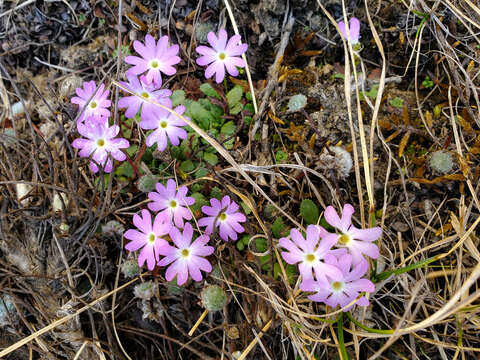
337 285
100 142
145 95
151 238
173 204
223 216
185 253
163 124
344 239
310 258
154 64
93 105
222 56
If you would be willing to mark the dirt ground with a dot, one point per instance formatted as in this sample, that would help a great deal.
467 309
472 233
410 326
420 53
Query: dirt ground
402 107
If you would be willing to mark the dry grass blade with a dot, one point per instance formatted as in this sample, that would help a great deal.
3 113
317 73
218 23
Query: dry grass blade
53 325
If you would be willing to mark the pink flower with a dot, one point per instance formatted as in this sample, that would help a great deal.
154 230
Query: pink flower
354 29
149 237
222 55
343 290
166 125
358 242
100 142
174 204
310 253
185 257
97 107
155 59
145 92
225 216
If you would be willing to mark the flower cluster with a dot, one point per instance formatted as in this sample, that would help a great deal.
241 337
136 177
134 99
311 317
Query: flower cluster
335 275
100 141
156 58
184 257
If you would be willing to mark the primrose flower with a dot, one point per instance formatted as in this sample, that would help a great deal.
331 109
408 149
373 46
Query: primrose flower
354 29
145 92
310 253
225 216
185 257
155 59
148 238
100 142
221 55
173 203
97 107
343 290
166 125
359 242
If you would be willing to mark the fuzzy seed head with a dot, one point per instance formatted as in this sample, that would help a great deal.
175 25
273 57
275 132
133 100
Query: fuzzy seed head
130 268
441 162
145 290
213 297
297 102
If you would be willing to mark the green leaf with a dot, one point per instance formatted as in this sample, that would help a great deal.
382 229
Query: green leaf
248 96
309 211
281 156
178 98
208 90
187 166
236 109
210 158
245 208
202 172
234 96
199 201
228 128
396 102
132 150
277 228
372 93
200 115
243 242
261 245
216 193
124 170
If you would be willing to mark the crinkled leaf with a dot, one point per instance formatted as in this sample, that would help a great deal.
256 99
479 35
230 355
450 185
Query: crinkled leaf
210 158
187 166
202 172
208 90
200 115
228 128
178 98
278 227
234 96
309 211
